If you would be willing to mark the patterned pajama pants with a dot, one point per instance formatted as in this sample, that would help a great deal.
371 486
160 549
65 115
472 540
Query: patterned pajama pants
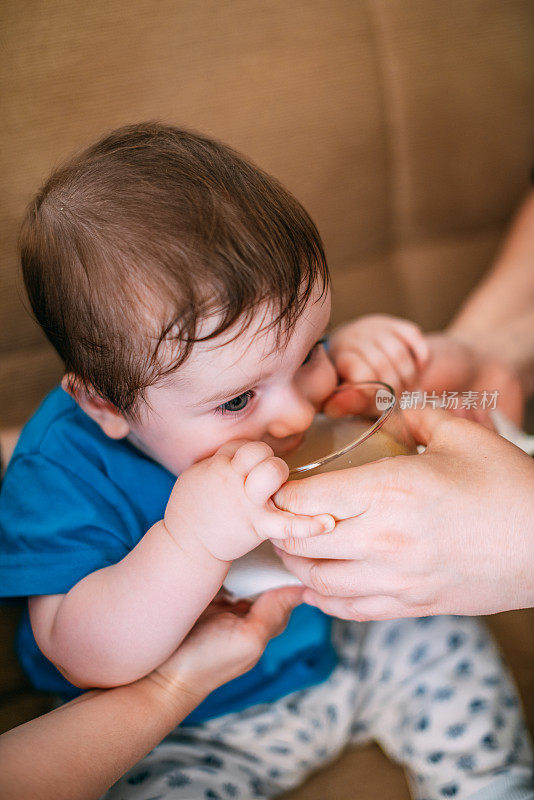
433 692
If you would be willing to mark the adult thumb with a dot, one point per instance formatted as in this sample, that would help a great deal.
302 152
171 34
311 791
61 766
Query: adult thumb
270 612
426 424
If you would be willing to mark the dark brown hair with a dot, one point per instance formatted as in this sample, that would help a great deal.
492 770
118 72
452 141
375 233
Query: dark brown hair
156 222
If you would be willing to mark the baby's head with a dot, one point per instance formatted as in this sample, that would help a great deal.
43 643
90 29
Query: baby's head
185 290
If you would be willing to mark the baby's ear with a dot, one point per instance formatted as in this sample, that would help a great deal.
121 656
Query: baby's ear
100 410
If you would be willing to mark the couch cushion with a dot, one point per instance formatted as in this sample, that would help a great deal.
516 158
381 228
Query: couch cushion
396 124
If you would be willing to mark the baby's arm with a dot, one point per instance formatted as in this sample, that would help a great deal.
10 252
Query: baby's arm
381 348
120 622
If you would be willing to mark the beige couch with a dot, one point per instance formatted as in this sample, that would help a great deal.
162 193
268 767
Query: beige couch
405 128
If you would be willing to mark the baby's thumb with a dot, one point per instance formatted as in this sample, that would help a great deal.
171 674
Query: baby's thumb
277 524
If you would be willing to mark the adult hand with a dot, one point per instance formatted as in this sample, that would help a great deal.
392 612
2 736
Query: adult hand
455 365
226 641
448 531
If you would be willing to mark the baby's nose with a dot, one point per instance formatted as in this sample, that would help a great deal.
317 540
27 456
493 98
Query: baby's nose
295 416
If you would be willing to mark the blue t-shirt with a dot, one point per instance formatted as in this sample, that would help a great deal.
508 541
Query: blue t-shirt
74 501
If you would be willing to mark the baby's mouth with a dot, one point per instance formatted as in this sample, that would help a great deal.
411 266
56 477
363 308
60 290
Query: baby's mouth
284 446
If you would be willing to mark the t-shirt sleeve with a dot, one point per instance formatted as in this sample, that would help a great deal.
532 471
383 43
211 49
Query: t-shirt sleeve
56 527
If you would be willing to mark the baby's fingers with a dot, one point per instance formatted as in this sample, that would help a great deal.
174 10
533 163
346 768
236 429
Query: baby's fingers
278 524
352 366
414 338
249 455
265 478
402 357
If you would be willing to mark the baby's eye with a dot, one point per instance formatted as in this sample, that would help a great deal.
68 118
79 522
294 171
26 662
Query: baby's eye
238 403
314 350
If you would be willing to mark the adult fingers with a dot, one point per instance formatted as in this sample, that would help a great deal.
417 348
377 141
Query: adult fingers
441 431
363 609
270 612
342 493
480 415
334 578
349 540
430 426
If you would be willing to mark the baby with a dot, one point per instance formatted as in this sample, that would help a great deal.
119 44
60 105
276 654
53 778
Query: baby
188 295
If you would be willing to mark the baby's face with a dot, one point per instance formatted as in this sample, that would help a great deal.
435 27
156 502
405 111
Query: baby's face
245 389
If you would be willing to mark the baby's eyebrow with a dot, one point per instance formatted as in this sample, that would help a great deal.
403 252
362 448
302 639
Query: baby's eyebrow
220 396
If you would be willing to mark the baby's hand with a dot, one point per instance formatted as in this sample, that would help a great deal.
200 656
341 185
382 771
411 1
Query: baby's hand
380 347
225 502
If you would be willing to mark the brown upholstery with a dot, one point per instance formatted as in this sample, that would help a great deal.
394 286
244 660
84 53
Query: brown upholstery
406 128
